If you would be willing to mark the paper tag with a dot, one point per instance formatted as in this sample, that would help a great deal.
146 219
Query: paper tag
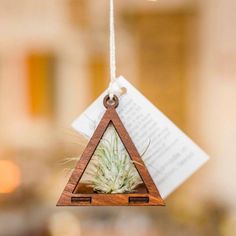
171 157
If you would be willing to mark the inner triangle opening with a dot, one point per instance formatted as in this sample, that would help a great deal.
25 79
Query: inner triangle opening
111 170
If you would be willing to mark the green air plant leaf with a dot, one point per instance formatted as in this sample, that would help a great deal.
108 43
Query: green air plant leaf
112 170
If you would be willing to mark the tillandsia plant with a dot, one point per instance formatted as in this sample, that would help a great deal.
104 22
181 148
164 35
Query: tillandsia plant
112 170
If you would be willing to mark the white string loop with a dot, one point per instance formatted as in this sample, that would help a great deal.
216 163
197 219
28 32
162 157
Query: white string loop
112 51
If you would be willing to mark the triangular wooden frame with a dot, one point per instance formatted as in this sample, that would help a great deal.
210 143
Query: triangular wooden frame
70 198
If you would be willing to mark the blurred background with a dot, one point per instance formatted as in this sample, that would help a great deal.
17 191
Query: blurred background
54 62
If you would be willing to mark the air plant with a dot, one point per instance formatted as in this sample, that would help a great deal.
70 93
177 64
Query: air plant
112 170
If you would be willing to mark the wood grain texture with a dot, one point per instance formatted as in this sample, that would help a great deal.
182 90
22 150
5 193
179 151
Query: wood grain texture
71 195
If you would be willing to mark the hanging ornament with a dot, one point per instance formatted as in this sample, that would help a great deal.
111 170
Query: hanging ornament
113 179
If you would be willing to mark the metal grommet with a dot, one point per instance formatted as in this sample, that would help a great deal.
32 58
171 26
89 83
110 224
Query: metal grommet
111 103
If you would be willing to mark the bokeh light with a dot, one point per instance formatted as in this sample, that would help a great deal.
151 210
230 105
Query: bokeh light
9 176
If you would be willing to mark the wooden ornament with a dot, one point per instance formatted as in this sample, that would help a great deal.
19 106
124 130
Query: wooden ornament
148 195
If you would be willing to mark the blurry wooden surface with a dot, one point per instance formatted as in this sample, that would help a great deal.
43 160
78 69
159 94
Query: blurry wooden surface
98 74
41 84
161 40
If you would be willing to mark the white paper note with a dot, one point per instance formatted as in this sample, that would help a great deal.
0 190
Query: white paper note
171 156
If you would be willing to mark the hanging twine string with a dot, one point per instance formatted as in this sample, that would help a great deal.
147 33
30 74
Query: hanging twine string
114 87
112 51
